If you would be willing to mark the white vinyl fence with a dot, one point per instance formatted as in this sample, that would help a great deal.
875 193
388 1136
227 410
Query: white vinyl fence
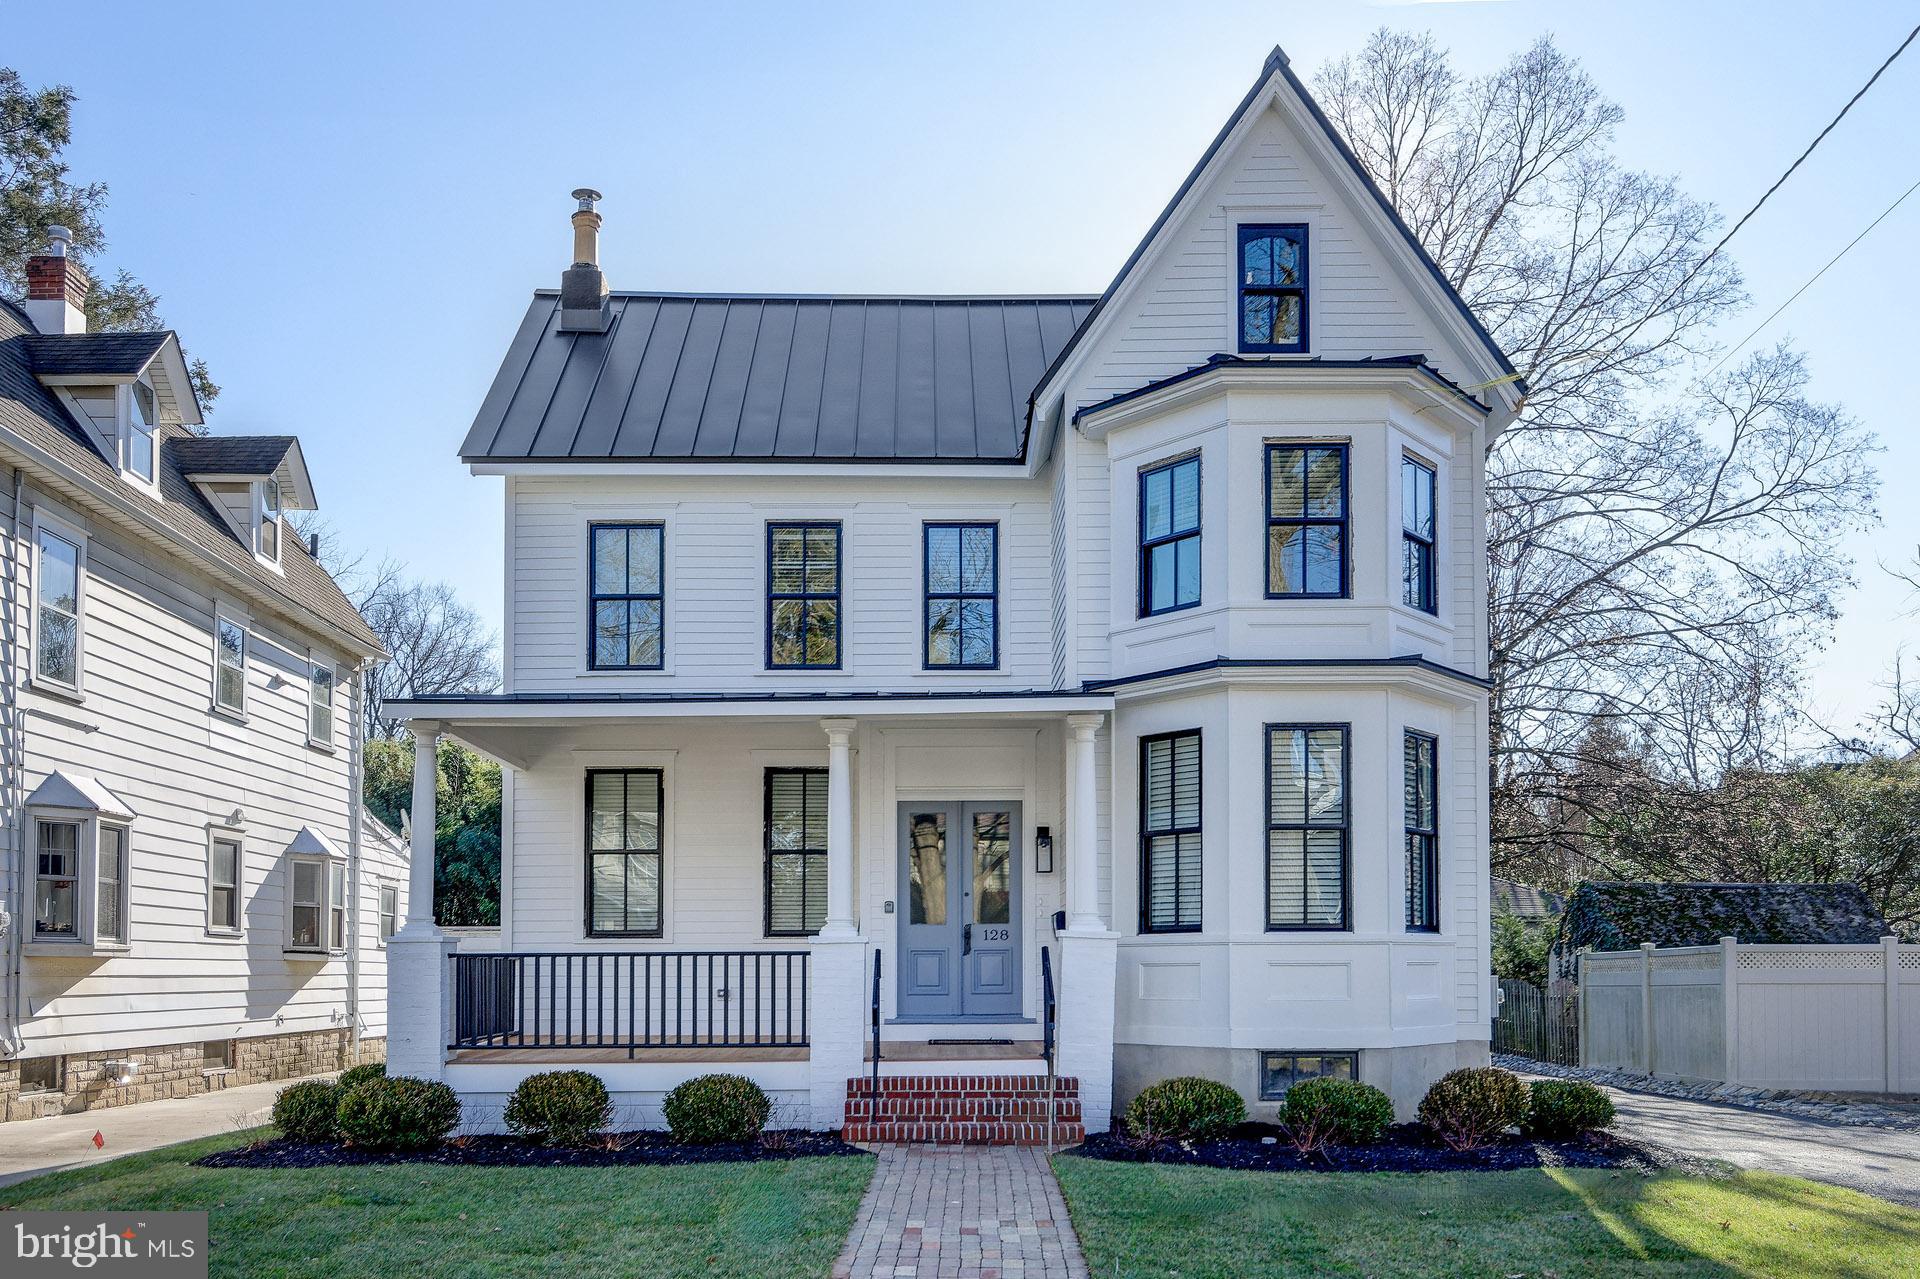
1817 1018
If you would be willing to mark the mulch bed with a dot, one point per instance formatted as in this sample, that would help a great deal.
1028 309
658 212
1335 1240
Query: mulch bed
1404 1148
610 1151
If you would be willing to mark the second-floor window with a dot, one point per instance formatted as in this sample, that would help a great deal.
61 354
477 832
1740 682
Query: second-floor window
229 665
320 703
628 602
1170 833
1417 586
962 572
1273 289
56 651
1307 826
1170 537
1306 521
1423 833
803 596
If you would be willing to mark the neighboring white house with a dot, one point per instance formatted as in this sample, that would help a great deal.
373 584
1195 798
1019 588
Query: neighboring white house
186 900
846 632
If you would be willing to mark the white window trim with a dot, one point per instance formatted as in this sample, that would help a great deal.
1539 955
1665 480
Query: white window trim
44 521
86 905
237 617
123 406
325 949
239 928
380 914
318 660
259 492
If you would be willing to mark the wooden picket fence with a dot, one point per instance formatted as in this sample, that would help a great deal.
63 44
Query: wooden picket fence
1534 1024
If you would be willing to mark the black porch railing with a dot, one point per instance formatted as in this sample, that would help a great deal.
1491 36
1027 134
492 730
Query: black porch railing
631 1000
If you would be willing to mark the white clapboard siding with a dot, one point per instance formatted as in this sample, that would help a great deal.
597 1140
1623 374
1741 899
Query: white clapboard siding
145 729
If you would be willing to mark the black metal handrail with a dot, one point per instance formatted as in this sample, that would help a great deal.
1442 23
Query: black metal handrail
1049 1010
873 1088
631 999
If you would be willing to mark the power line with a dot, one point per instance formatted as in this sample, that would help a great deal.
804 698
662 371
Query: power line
1732 350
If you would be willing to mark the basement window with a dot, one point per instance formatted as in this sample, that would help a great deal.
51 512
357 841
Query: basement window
1281 1071
216 1054
42 1074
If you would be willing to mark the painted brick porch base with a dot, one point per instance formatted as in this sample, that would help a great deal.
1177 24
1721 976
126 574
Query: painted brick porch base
992 1110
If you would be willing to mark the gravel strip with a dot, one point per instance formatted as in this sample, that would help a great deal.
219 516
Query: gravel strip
1851 1114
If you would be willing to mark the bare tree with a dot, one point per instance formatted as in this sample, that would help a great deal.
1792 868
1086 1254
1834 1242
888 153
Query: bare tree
1650 532
434 642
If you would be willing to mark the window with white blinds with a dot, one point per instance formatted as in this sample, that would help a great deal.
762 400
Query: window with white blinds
1307 818
1170 833
796 851
623 852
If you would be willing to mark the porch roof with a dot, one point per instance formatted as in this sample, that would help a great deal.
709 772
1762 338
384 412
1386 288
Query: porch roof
455 708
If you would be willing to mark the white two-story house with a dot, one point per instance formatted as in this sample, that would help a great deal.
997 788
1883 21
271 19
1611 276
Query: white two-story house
943 673
187 900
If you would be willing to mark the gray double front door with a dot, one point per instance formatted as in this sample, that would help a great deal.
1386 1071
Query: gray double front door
959 910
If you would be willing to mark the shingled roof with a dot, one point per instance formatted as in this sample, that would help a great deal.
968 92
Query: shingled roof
231 454
692 377
102 354
1620 916
31 413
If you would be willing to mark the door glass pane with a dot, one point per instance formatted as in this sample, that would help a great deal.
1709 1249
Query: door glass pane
927 868
992 902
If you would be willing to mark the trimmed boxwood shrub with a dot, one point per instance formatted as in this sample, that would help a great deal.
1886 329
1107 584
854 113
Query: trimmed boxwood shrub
1186 1108
397 1113
714 1108
564 1107
1468 1108
1562 1108
305 1111
354 1076
1344 1112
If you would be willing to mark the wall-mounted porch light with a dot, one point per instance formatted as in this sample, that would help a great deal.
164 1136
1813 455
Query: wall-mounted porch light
1043 850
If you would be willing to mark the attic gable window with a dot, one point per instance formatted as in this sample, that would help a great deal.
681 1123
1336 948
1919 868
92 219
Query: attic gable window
268 544
136 446
1273 289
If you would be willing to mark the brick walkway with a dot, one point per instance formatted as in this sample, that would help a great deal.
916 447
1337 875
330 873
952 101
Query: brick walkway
962 1212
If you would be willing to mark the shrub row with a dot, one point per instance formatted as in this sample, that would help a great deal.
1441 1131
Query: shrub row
1464 1109
366 1108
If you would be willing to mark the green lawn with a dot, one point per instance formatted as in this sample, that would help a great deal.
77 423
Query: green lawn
1203 1223
736 1220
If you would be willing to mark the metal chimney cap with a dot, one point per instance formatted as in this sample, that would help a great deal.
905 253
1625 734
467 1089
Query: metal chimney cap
586 196
60 237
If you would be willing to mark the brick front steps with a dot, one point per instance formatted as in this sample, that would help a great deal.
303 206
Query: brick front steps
988 1110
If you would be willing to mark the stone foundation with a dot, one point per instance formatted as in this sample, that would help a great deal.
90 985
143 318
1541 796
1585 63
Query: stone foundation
182 1070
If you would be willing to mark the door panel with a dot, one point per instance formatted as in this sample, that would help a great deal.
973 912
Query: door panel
959 876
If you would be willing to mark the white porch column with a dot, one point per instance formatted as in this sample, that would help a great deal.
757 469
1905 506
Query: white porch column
419 987
838 958
1089 950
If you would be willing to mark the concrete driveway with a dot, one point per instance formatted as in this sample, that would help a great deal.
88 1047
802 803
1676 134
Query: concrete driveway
1879 1161
29 1147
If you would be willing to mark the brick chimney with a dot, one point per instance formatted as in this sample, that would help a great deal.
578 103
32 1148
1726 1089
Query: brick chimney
583 289
57 287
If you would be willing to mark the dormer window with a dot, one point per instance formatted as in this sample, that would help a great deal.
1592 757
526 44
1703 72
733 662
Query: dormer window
268 545
136 442
1273 289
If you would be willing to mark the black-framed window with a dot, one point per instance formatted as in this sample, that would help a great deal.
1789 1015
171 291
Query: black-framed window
627 609
623 852
1170 536
1306 521
796 851
1417 586
1307 826
1273 288
803 595
1170 832
1281 1071
962 575
1420 780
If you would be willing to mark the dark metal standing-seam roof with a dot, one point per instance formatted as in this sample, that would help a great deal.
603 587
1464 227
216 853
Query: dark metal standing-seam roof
784 377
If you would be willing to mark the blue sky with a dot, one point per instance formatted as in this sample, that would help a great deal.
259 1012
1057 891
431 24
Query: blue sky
344 206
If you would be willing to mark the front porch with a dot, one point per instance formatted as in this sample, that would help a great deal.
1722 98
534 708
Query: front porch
753 888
